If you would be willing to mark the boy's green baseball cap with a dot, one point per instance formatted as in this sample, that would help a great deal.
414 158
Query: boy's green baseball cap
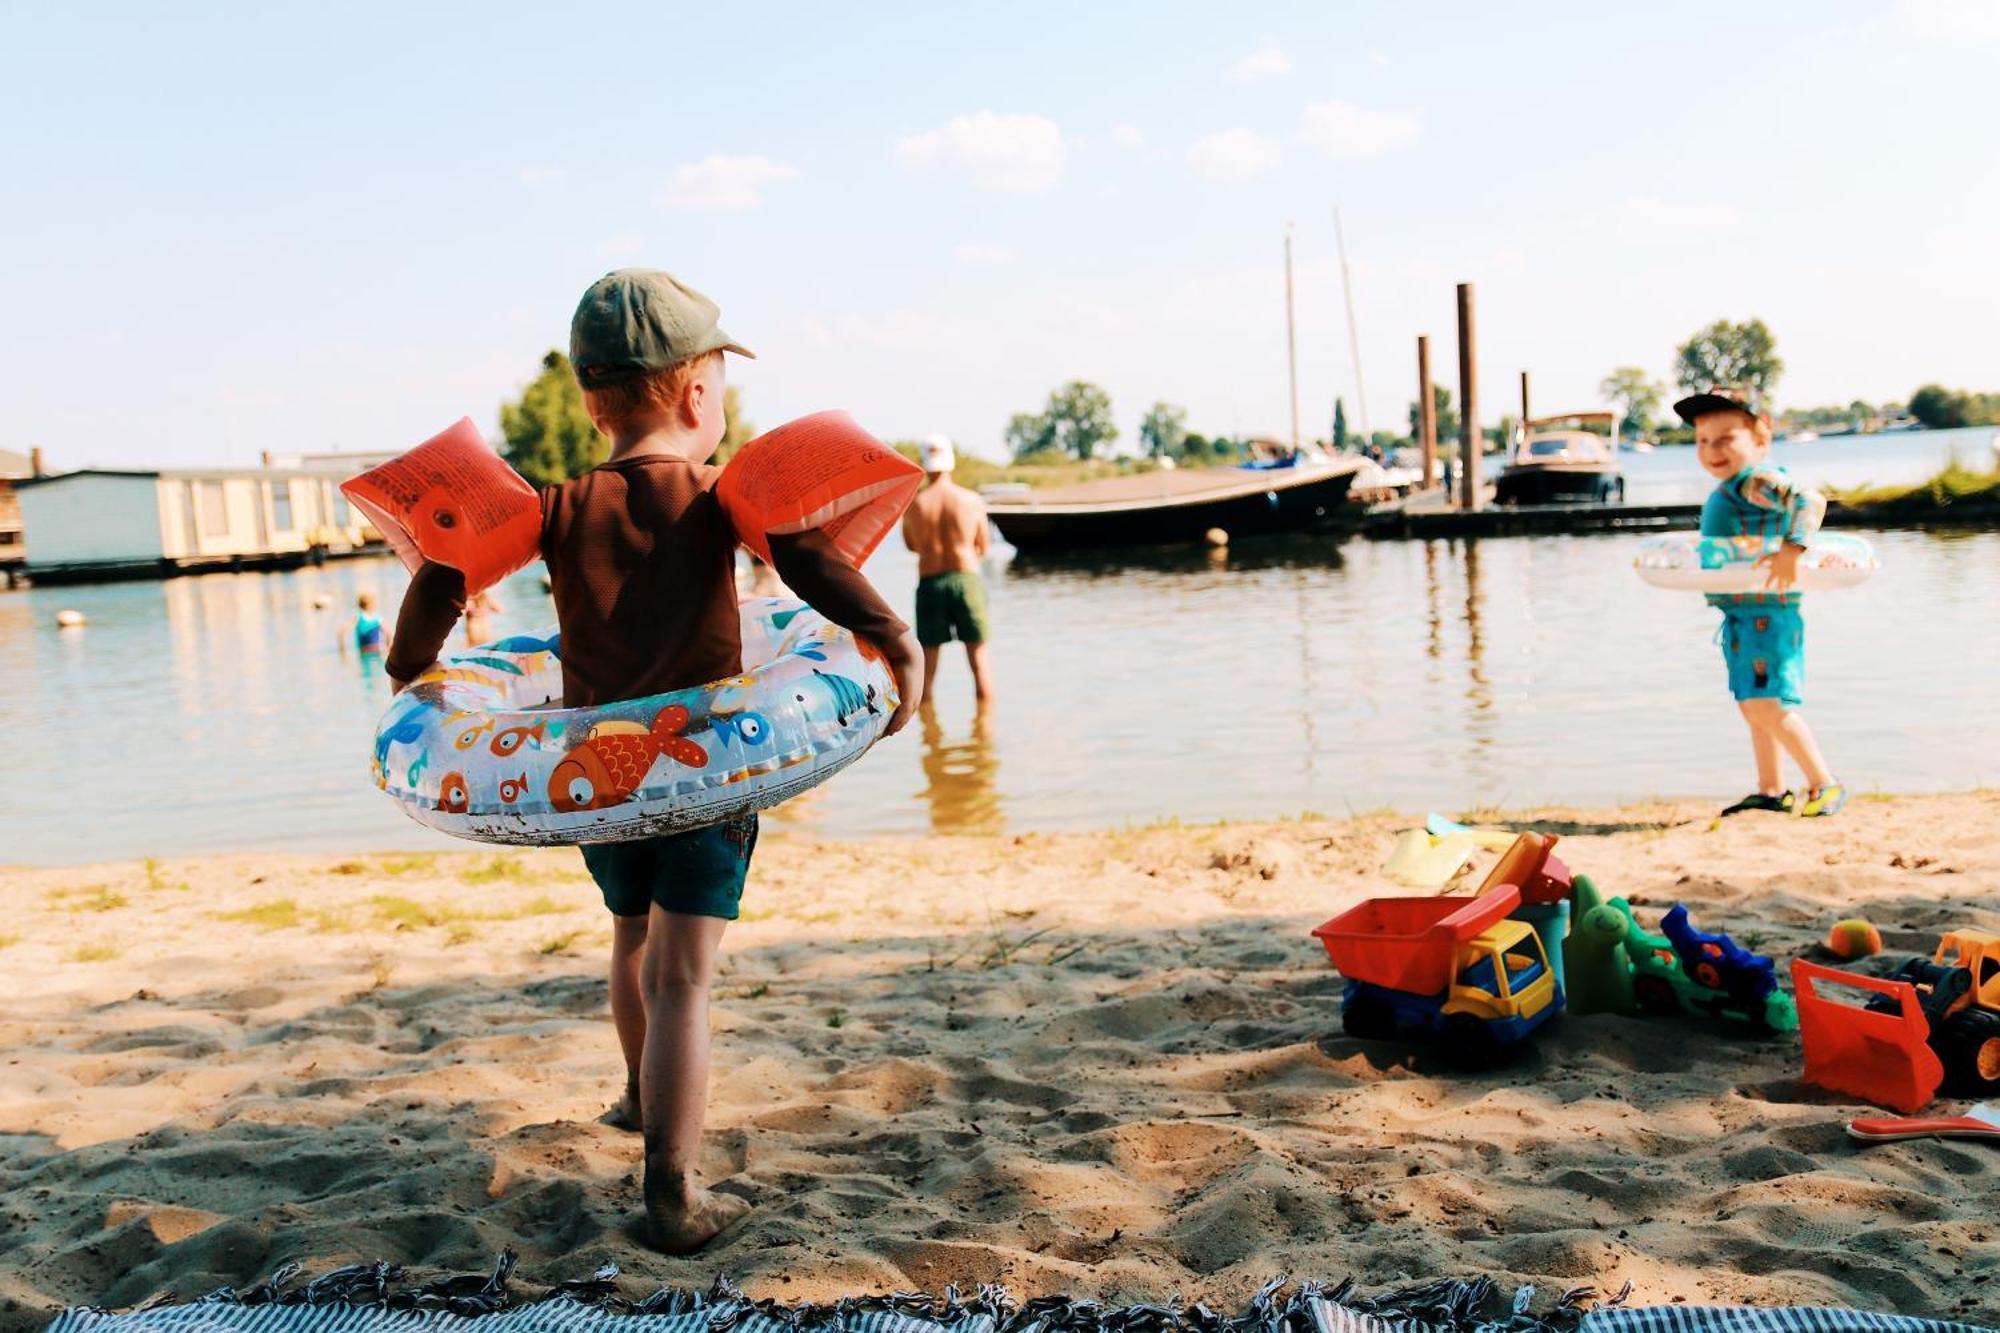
636 320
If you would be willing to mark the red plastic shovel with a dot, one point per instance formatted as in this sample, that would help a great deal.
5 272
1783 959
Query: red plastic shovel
1981 1122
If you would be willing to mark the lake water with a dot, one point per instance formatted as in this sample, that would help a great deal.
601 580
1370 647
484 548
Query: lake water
217 713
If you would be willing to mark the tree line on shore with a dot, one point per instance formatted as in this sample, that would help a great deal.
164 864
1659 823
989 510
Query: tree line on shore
549 437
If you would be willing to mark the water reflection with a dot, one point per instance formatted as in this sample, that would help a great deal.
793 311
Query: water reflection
961 777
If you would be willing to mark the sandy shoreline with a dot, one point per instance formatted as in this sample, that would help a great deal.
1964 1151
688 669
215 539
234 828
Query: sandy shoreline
1108 1064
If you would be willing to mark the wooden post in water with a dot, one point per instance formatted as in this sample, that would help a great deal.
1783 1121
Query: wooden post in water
1427 422
1468 403
1291 340
1524 407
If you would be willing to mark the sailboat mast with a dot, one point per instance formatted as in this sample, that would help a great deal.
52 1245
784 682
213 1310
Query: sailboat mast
1353 338
1291 339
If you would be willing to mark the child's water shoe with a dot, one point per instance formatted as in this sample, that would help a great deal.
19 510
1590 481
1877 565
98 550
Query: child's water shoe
1826 801
1781 804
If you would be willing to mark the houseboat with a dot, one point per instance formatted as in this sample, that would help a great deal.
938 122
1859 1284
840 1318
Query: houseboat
99 523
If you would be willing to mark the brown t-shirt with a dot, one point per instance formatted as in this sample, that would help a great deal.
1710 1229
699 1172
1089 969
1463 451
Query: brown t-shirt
642 561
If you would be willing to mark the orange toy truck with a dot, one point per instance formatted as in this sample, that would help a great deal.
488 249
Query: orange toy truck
1933 1023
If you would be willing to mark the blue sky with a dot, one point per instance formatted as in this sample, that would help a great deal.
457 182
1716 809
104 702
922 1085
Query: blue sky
230 227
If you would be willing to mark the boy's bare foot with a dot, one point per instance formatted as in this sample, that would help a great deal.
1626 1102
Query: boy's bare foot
683 1224
625 1115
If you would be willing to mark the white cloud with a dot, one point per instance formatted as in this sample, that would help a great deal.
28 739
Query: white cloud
1015 154
980 254
1379 60
1268 61
625 245
1233 156
1344 130
721 183
537 176
1128 136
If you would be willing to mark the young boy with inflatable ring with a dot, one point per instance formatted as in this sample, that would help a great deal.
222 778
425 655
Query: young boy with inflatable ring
1762 633
642 558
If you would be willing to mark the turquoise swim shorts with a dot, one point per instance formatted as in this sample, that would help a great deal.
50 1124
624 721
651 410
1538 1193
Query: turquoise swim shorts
1764 646
697 873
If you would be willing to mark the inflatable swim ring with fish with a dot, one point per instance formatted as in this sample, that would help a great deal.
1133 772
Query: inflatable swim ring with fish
481 748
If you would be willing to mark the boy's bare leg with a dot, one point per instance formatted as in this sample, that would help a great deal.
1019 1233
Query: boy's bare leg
681 1216
930 671
982 682
1760 715
628 1013
1788 726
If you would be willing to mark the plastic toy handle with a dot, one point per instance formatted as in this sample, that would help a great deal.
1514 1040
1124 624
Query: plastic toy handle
1480 911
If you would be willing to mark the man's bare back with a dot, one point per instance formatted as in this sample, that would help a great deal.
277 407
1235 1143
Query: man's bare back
946 527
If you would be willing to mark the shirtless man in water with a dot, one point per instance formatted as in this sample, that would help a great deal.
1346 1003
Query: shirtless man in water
946 527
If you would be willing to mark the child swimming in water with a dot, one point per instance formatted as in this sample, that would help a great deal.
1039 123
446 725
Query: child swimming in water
1762 633
366 632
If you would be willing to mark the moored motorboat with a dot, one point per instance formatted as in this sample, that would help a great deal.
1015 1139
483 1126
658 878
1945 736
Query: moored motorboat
1303 492
1562 460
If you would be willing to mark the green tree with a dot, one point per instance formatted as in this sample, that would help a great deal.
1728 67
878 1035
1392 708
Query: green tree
737 430
1446 414
549 436
1637 395
1076 420
1164 431
1029 435
1339 424
1725 353
1937 407
1944 409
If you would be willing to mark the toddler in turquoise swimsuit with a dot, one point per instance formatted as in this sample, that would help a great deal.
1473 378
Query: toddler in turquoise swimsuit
1762 634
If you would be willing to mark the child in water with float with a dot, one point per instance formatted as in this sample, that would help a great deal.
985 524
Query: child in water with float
1762 633
642 560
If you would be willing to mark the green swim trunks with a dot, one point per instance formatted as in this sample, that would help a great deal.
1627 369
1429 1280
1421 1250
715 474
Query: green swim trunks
951 606
697 873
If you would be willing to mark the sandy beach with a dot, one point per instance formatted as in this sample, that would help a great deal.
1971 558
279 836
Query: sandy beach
1107 1064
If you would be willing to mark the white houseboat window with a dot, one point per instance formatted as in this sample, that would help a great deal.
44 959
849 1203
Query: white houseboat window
341 517
281 506
214 509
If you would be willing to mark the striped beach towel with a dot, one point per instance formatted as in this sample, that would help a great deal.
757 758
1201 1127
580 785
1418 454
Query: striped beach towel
373 1299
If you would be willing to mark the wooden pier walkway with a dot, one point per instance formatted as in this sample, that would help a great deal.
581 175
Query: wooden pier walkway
1419 521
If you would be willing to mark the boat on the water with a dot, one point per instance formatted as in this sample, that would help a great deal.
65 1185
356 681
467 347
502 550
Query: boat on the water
1281 491
1561 460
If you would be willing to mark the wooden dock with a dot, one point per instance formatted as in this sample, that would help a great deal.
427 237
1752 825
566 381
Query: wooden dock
1418 520
1430 516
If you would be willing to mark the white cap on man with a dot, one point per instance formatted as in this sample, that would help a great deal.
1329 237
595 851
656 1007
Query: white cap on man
937 454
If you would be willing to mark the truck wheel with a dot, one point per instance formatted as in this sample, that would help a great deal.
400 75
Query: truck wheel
1469 1043
1971 1053
1369 1019
1655 996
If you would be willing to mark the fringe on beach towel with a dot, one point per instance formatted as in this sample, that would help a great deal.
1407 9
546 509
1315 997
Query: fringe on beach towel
375 1298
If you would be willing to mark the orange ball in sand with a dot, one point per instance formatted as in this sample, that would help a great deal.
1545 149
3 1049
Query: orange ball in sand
1853 938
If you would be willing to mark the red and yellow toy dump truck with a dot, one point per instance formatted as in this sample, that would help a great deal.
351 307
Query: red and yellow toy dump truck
1934 1023
1451 968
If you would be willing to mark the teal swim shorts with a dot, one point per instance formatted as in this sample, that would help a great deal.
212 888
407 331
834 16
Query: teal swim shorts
697 873
1764 646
